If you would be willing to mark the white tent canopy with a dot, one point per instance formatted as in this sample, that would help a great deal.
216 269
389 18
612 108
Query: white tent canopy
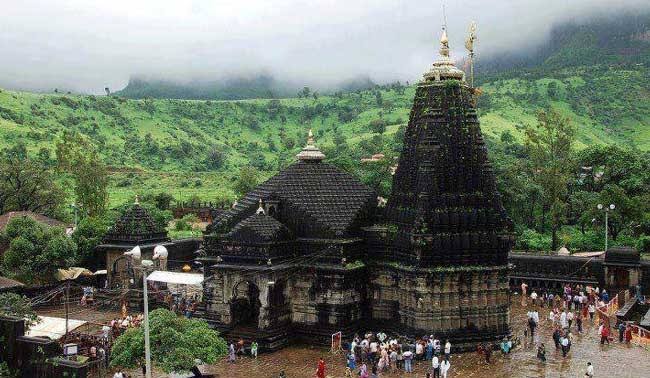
195 279
54 328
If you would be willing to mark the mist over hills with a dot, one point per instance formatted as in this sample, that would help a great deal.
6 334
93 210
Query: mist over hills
623 39
232 88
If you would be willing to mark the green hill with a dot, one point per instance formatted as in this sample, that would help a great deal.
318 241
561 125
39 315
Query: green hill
595 74
196 147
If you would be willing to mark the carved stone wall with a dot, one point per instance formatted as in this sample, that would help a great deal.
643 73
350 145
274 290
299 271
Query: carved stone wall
465 306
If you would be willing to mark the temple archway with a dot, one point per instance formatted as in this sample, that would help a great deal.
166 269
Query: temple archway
245 304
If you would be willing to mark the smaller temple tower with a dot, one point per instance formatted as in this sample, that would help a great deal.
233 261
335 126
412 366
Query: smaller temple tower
135 227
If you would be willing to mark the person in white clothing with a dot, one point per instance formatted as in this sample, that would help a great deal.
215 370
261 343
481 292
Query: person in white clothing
563 321
444 368
590 370
533 297
435 364
447 349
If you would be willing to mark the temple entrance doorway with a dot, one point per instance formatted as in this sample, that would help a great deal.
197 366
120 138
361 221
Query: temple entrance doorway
245 305
619 278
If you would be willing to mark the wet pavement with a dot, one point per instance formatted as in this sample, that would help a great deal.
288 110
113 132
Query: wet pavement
615 360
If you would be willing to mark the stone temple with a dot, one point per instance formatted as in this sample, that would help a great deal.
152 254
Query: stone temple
309 253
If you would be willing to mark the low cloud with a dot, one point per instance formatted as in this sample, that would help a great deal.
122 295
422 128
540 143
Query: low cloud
85 46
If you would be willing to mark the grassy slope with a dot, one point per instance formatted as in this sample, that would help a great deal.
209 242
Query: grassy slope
609 105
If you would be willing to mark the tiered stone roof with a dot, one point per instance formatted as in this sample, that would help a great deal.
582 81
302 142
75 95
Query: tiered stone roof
315 199
134 227
259 228
444 198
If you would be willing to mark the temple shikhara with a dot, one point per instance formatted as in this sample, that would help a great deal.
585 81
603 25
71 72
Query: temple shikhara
309 252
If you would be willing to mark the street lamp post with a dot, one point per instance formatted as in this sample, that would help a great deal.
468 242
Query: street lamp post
146 264
606 209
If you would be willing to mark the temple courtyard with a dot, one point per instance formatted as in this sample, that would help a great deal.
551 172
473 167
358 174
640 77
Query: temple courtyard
615 360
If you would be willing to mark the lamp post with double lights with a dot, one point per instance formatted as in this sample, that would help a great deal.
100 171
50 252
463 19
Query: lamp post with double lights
606 209
145 266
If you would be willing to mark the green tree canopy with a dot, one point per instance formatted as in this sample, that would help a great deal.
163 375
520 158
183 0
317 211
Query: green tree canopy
76 154
26 185
35 251
176 342
550 146
12 304
247 180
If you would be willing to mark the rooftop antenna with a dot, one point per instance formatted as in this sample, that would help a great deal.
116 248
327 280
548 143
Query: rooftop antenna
469 45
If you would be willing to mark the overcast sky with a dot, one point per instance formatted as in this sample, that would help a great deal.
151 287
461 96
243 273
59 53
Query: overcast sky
85 45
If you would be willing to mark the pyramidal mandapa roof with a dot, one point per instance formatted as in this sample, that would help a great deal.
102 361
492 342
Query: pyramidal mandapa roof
135 226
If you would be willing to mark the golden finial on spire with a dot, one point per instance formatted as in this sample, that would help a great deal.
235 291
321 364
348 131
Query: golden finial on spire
310 152
310 138
444 44
260 210
444 68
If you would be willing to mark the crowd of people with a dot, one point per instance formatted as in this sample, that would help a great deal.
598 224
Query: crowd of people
568 311
376 353
181 305
120 324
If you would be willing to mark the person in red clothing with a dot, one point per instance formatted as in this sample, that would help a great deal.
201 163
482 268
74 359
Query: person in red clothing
628 334
320 372
604 334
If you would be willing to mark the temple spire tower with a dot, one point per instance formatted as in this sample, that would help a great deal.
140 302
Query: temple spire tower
449 224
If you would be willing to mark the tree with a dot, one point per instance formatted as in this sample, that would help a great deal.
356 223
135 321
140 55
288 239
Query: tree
163 200
378 175
550 145
35 251
176 342
28 186
246 181
89 234
378 126
76 154
215 159
12 304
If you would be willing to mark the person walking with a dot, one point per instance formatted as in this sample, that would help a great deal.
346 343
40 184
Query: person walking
592 310
621 331
435 365
604 334
363 371
254 349
541 352
579 322
352 361
447 349
444 367
590 370
532 325
320 370
408 359
231 353
556 338
564 342
487 349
